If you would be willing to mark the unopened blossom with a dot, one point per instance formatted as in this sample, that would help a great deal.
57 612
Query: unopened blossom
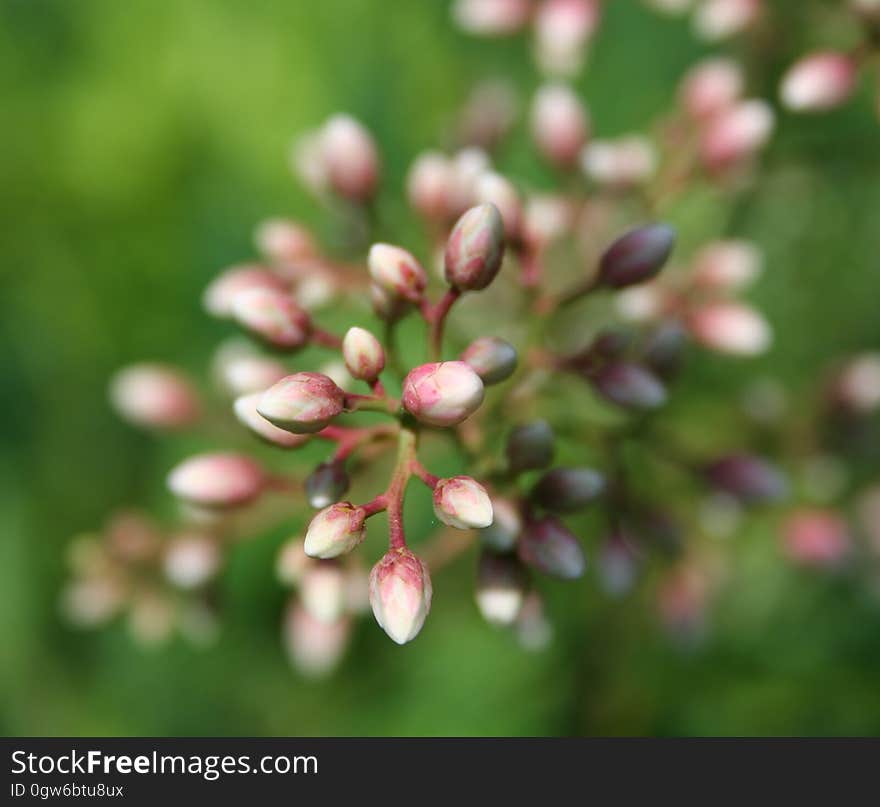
533 630
730 327
719 19
619 163
442 393
549 546
489 113
501 588
640 303
530 446
493 359
350 159
682 600
400 594
157 396
151 618
468 165
273 316
430 185
664 349
546 218
313 647
491 17
284 241
246 412
322 591
629 385
728 265
560 124
475 248
463 503
816 537
736 134
240 369
567 490
818 82
397 272
636 256
711 86
327 484
857 385
220 295
748 478
617 564
291 562
502 533
496 189
563 28
302 403
217 480
363 354
91 601
335 530
191 560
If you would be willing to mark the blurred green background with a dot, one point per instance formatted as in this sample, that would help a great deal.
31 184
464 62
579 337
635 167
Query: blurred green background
143 140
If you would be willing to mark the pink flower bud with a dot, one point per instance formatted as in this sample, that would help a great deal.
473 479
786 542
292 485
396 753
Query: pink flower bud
475 249
730 327
284 241
322 591
489 113
814 537
545 219
220 295
442 393
387 306
620 163
463 503
710 87
736 133
719 19
291 562
350 158
530 446
560 125
239 369
857 385
548 546
491 17
327 484
273 316
818 82
562 31
217 480
501 588
499 191
567 490
430 186
502 533
191 560
397 272
154 395
491 358
302 403
313 647
727 265
335 530
245 408
400 594
363 354
468 166
636 256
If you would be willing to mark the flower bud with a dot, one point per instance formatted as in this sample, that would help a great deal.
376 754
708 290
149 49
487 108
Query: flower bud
400 594
501 588
302 403
726 265
468 165
710 87
636 256
814 537
491 17
748 478
387 306
240 370
567 490
489 113
475 249
496 189
314 647
91 601
548 546
273 316
155 396
491 358
640 303
546 218
682 600
560 125
736 133
322 591
533 630
857 385
730 328
618 565
818 82
397 272
664 349
191 560
221 293
217 480
430 184
327 484
363 354
335 530
463 503
715 20
292 562
442 393
245 408
621 163
501 534
283 241
562 31
349 158
629 385
530 446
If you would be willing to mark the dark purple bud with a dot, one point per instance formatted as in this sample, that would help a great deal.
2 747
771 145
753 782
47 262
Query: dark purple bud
548 546
608 345
566 490
530 446
327 484
637 256
629 385
664 349
748 478
491 358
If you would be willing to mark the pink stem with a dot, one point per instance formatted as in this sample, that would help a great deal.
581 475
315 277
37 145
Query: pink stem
326 339
436 318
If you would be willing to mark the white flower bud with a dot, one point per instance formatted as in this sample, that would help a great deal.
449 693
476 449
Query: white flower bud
217 480
363 354
442 393
335 530
463 503
400 594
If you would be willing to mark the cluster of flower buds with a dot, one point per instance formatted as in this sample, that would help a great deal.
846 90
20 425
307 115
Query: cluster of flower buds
714 20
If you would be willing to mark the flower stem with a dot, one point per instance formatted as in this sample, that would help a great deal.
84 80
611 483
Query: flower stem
436 318
406 452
